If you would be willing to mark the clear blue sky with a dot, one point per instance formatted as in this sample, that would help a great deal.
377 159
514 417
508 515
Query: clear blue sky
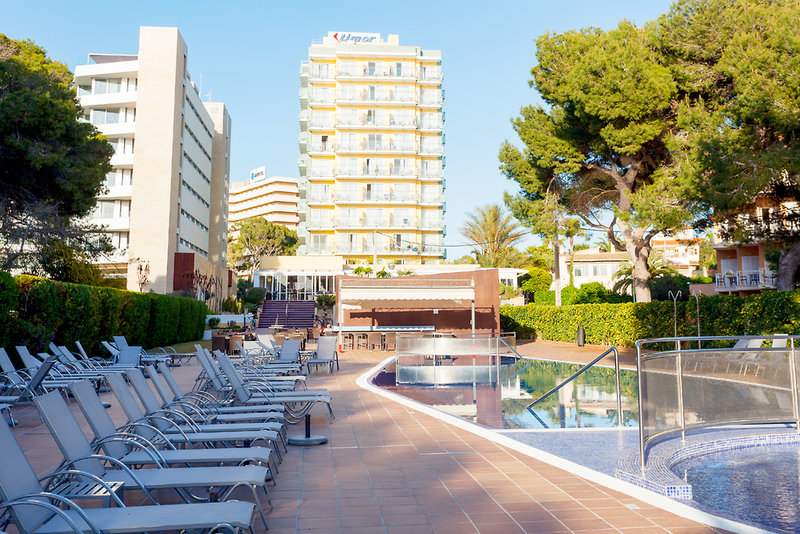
248 55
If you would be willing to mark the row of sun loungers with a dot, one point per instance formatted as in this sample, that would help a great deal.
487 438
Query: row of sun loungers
228 432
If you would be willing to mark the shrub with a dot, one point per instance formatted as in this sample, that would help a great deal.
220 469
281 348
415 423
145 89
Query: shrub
325 301
548 298
539 280
8 302
591 293
766 313
213 322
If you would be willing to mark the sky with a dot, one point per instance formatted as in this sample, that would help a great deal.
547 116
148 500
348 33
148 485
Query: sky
248 56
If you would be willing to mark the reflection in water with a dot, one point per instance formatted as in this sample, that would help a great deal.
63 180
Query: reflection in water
589 401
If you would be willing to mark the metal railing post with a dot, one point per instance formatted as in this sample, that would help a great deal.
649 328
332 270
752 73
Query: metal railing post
619 392
642 420
681 415
793 377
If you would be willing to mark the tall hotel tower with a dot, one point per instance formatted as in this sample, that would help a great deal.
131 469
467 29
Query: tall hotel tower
371 160
165 205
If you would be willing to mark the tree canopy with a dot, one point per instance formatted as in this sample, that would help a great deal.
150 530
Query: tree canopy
492 233
738 61
52 165
600 149
258 237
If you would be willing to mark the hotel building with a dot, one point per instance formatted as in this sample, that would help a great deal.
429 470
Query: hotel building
371 150
166 197
274 199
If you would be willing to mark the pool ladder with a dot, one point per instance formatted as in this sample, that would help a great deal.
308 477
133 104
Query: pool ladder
578 373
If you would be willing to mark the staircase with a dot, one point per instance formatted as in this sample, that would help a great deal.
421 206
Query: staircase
287 313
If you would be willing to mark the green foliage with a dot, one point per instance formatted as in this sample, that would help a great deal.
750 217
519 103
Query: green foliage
591 293
45 310
548 297
765 313
362 271
538 280
326 301
253 298
8 302
507 292
258 237
383 273
231 305
213 322
52 166
493 234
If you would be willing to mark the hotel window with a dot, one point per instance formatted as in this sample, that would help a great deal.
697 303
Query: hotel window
430 193
403 216
104 209
370 69
398 69
105 116
374 141
320 70
348 165
320 192
374 217
319 242
103 86
84 90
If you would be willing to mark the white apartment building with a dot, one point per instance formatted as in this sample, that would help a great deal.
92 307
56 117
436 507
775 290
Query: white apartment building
166 196
371 150
274 198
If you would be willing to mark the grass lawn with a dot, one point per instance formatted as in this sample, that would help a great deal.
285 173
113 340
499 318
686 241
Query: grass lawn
188 346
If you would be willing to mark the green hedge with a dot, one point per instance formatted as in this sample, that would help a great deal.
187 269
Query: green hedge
770 312
40 310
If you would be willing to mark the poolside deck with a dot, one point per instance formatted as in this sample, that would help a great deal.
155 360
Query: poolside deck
388 469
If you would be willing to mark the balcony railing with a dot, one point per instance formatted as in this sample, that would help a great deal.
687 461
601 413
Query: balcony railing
319 123
366 146
375 171
744 280
369 121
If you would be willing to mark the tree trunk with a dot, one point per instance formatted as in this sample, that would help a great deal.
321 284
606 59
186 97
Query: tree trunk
557 271
641 278
787 267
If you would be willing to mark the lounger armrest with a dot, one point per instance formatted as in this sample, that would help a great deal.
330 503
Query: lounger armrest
35 499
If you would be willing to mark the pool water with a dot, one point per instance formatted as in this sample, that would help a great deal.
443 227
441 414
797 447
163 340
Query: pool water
589 401
758 484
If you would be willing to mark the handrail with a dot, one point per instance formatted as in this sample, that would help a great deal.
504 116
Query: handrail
575 375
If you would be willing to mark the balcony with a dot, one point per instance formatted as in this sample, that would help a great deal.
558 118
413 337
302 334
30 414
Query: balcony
122 160
320 124
431 125
321 99
431 76
376 172
120 99
375 148
117 191
365 73
303 94
113 223
745 280
371 122
321 148
365 97
431 149
319 224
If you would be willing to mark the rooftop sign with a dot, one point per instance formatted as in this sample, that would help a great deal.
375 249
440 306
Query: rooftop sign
257 174
348 37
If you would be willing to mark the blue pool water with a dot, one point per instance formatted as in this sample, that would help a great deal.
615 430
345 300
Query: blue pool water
759 485
588 402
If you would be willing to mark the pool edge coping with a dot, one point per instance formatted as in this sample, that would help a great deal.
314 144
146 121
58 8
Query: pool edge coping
364 381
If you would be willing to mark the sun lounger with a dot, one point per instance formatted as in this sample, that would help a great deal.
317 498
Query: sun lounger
78 454
34 510
326 354
132 449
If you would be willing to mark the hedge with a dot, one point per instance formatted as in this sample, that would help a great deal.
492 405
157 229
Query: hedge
769 312
40 310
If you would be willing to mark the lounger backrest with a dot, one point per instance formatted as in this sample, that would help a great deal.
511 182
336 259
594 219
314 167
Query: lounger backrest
780 342
326 348
143 391
81 351
39 376
290 350
114 351
129 356
27 358
170 380
97 416
5 362
70 358
125 397
161 388
17 478
65 431
121 342
209 369
233 377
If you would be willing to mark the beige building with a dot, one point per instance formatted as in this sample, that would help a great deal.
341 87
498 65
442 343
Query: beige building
166 194
273 198
371 150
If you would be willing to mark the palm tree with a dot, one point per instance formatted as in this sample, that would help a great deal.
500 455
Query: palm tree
362 271
657 266
383 273
491 230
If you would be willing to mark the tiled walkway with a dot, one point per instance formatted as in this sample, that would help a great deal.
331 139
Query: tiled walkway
388 469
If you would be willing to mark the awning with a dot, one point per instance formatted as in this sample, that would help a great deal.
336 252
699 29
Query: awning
363 295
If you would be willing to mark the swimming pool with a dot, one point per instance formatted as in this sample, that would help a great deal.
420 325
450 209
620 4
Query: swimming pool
758 484
589 401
